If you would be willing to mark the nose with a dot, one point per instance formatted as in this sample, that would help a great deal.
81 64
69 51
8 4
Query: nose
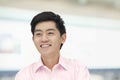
44 38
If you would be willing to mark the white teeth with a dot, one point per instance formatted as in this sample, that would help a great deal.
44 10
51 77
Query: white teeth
44 46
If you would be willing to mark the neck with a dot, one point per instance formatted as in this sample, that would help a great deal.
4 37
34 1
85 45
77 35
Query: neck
50 62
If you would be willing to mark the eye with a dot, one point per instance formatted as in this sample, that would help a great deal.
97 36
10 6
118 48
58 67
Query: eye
38 34
50 33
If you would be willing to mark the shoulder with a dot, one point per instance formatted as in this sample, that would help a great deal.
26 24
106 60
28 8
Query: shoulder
25 72
80 70
78 63
75 62
79 66
28 67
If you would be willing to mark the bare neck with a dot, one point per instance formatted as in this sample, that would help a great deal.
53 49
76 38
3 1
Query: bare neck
50 62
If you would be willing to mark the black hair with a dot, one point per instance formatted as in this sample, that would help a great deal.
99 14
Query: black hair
48 16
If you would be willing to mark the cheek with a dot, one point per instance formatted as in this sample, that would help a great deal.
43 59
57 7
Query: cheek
36 42
58 41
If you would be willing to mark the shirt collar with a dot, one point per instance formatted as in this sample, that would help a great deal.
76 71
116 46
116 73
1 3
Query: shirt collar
63 62
38 65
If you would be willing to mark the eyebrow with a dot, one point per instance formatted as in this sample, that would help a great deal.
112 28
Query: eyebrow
37 30
50 29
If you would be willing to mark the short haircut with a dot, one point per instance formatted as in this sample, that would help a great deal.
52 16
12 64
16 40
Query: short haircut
48 16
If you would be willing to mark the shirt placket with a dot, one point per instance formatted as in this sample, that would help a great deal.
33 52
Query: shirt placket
53 75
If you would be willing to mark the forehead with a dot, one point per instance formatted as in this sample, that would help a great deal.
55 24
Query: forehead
46 25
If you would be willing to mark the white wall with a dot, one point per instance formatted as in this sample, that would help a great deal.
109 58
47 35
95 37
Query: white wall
97 47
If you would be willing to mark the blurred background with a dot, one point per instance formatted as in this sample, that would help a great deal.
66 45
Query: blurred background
93 34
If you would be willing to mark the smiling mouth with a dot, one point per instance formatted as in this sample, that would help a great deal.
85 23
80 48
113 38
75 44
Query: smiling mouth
45 45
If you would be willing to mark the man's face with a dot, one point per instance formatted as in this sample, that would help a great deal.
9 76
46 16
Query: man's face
47 38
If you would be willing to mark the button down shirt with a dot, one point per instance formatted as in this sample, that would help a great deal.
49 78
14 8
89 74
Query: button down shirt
66 69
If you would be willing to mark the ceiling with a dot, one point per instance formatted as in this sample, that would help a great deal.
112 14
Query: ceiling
97 8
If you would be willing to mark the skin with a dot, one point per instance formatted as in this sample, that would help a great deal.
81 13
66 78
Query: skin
47 40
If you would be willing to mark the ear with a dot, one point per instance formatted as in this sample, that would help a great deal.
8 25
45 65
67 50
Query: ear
63 37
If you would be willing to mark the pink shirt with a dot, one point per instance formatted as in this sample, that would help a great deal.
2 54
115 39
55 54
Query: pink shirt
66 69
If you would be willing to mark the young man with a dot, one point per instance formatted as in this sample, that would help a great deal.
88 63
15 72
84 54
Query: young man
49 34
